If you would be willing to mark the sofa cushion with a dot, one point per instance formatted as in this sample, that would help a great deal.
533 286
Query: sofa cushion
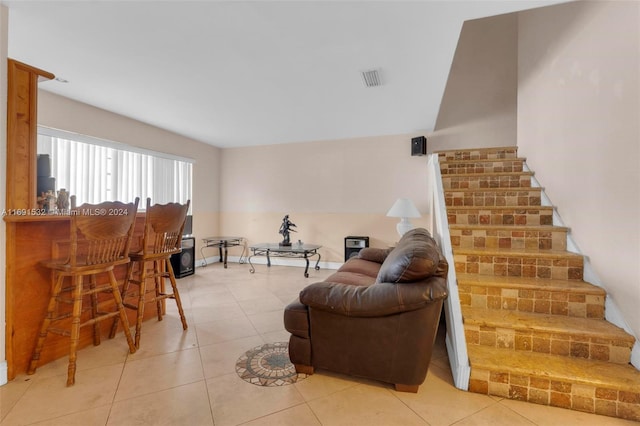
374 254
352 278
361 266
416 257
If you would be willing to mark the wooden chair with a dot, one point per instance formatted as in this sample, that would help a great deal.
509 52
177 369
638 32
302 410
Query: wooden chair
100 239
162 238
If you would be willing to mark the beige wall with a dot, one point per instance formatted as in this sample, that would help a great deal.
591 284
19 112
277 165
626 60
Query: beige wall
330 189
579 127
65 114
478 107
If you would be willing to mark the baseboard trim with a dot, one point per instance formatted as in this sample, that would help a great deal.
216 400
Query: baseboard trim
200 263
4 369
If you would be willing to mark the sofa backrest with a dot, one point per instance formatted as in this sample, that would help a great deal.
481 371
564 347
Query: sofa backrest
416 257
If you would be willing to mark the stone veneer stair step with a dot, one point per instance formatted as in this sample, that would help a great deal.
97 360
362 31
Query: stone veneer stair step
508 236
575 383
525 228
478 153
549 254
546 333
558 264
495 197
501 165
487 180
544 296
531 284
503 215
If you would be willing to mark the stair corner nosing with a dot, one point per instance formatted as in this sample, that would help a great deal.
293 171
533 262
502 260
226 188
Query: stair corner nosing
540 372
543 284
572 330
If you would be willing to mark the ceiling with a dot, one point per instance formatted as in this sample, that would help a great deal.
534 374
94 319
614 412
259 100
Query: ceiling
250 73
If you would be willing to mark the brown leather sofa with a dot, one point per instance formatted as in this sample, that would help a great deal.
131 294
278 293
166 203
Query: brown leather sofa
376 317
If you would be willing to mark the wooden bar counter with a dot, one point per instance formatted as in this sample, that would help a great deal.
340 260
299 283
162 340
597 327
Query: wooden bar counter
30 240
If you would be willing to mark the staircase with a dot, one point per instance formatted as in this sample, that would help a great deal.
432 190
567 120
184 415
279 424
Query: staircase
535 330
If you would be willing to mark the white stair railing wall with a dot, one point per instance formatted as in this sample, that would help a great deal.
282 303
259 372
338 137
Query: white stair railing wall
455 339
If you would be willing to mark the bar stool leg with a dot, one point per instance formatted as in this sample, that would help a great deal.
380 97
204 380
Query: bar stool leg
75 328
125 289
141 296
176 295
158 278
94 310
35 357
123 315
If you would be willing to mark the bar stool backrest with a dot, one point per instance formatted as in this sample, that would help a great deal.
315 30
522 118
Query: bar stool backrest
163 227
101 233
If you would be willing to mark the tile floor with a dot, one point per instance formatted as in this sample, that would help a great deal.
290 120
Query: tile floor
188 378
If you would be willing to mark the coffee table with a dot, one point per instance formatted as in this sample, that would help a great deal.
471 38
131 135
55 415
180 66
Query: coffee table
300 251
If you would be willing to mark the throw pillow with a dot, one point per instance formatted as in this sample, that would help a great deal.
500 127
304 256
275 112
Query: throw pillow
415 258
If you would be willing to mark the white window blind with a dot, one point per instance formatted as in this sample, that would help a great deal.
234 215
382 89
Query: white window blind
94 172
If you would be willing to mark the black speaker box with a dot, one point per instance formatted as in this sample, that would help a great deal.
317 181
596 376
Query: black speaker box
419 146
44 165
353 245
184 263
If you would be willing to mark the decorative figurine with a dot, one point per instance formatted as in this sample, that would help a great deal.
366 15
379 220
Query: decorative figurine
51 202
42 202
63 200
285 228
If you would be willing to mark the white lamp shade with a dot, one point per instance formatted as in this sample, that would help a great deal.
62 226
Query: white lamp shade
403 207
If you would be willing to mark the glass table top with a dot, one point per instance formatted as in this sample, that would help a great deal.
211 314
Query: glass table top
293 248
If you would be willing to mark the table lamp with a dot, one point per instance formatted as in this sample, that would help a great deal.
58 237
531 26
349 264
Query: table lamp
404 209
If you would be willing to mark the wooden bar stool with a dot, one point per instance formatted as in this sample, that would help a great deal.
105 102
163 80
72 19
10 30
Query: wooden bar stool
100 239
162 238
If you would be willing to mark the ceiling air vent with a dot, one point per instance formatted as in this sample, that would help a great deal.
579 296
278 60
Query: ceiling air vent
371 78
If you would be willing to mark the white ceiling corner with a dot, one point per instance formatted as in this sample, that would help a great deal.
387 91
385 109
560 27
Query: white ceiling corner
250 73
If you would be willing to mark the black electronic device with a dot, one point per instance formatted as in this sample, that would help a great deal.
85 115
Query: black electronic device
419 146
43 165
184 263
353 245
45 182
188 225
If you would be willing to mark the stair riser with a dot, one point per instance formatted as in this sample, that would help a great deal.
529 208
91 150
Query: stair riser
486 182
562 344
493 198
499 166
579 305
563 268
514 239
546 391
525 217
478 154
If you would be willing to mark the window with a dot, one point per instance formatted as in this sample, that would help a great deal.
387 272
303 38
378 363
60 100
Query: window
96 170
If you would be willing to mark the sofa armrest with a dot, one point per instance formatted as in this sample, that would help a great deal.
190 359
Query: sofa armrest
373 301
374 254
296 319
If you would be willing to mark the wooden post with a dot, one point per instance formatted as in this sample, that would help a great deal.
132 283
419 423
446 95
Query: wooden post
22 133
